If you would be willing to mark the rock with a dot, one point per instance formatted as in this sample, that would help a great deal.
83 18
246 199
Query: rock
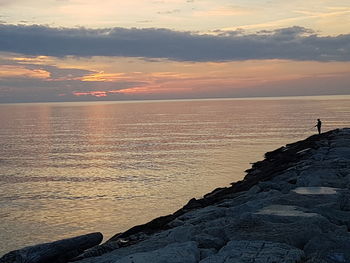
315 190
186 252
284 210
292 230
58 251
339 152
208 241
175 223
205 252
344 201
330 247
98 250
203 215
154 242
242 251
175 253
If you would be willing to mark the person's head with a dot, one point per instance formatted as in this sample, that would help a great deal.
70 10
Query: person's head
318 119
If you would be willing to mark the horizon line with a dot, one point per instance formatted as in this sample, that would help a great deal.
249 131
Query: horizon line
285 97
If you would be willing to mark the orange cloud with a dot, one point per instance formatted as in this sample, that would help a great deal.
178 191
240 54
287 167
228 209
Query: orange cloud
9 71
91 93
39 60
195 78
138 90
104 77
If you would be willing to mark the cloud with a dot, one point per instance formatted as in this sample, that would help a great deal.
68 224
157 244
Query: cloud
24 89
5 2
294 43
224 11
64 73
169 12
26 79
35 67
333 11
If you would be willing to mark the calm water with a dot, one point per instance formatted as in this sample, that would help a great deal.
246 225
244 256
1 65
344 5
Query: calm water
72 168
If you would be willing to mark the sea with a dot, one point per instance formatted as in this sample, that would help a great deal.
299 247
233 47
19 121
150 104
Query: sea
72 168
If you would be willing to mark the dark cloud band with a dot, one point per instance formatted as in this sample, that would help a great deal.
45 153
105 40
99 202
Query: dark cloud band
294 43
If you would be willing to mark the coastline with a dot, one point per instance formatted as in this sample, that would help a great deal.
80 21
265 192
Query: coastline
297 195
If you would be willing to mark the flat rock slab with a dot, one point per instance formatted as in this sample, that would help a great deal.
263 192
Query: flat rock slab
316 190
284 210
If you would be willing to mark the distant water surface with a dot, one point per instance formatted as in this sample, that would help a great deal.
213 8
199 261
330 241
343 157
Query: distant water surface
71 168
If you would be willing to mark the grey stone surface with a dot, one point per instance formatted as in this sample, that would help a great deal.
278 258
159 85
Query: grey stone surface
241 251
329 247
187 252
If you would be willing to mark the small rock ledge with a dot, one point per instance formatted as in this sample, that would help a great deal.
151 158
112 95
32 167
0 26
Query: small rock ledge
294 206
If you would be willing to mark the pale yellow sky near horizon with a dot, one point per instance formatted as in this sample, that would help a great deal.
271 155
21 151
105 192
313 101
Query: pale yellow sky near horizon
324 16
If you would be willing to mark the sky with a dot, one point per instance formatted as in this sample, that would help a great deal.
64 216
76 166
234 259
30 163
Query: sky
82 50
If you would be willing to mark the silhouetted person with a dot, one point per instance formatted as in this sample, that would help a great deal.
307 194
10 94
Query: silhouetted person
319 124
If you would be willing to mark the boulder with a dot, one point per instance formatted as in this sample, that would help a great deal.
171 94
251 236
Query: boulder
54 252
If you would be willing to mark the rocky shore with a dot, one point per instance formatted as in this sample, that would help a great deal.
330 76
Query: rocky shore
294 206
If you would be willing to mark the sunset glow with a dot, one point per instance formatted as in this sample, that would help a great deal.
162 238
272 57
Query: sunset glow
72 50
